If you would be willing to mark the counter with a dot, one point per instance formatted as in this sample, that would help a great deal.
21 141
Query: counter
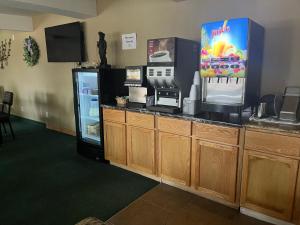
216 159
201 118
276 128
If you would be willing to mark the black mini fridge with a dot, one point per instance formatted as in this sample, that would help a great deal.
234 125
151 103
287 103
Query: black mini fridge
93 87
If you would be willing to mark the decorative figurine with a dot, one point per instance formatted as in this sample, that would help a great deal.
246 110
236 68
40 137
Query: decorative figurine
102 46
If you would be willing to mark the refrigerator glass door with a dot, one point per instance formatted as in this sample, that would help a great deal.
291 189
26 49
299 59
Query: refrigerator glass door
88 107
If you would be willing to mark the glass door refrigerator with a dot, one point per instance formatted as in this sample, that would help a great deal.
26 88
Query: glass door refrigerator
92 87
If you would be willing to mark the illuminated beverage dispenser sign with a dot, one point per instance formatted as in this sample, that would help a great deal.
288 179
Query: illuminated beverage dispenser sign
224 48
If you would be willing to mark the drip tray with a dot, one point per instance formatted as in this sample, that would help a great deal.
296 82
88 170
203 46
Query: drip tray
136 105
164 109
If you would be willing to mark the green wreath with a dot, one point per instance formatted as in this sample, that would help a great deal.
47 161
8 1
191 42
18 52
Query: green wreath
31 51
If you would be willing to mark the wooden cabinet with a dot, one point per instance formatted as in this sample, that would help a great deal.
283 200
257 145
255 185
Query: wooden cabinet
174 126
216 133
210 159
115 142
113 115
268 184
174 145
175 151
270 174
141 142
215 160
214 169
114 136
141 149
272 143
296 217
140 120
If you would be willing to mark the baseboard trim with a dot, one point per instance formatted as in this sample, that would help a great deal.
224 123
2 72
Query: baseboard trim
60 130
29 119
263 217
192 190
174 184
48 126
153 177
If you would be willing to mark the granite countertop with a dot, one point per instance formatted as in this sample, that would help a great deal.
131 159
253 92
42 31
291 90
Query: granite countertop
280 128
201 118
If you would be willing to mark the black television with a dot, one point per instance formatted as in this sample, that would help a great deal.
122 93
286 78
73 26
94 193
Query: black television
65 43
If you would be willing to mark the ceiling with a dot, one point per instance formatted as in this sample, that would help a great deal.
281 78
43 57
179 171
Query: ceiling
14 11
17 14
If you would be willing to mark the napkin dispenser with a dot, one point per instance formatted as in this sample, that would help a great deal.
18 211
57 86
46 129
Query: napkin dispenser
290 107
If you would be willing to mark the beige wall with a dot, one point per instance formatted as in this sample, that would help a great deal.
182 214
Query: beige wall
48 86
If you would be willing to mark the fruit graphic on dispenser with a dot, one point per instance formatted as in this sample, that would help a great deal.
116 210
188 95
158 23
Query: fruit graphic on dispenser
224 47
219 48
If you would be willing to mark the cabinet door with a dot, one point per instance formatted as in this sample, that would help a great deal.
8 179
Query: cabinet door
268 184
140 149
214 169
115 142
296 218
175 153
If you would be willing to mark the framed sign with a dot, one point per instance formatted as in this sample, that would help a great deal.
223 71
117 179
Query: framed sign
129 41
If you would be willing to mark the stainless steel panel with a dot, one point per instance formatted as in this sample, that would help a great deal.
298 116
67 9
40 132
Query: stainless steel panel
161 76
137 94
168 101
223 90
289 110
291 104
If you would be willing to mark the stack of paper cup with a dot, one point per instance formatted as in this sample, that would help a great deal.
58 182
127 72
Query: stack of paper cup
195 88
192 104
196 78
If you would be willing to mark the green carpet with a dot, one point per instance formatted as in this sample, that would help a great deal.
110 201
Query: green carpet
43 181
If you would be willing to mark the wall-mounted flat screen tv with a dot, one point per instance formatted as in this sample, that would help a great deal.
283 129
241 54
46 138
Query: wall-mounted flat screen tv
65 43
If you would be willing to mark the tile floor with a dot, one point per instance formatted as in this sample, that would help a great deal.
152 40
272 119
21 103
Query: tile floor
165 205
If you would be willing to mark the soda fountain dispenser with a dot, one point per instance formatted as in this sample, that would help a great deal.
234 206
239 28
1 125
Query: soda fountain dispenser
231 64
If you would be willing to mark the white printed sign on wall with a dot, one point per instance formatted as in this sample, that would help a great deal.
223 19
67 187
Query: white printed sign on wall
129 41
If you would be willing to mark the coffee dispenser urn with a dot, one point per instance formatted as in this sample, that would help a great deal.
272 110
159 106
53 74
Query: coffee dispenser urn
171 63
231 64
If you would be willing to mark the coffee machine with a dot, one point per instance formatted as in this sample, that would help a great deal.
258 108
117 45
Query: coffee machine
136 81
171 63
231 64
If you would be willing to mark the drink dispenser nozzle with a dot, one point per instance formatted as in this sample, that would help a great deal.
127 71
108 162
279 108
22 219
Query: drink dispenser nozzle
173 84
164 84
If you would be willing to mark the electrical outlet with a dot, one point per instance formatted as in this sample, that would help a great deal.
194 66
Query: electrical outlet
47 114
22 108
